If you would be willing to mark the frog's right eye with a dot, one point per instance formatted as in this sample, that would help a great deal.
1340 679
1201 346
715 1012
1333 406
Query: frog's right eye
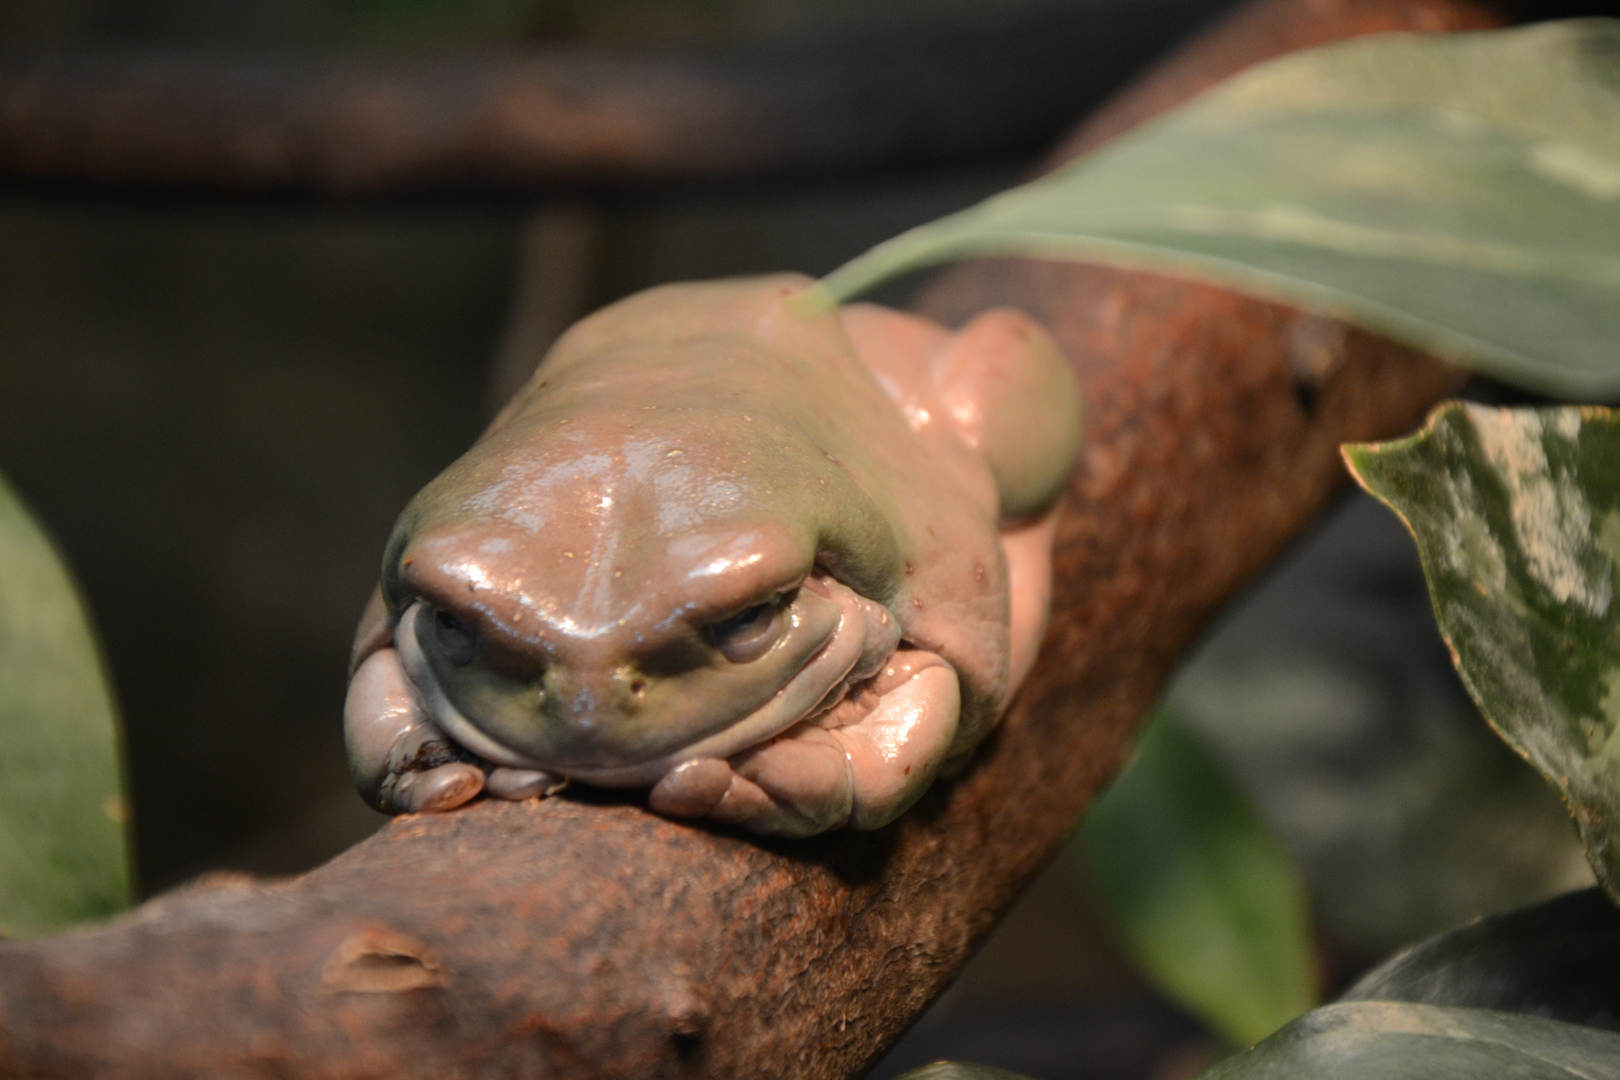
456 639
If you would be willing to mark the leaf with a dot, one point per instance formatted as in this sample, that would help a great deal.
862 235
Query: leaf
1203 896
959 1070
1376 1040
1516 513
1557 959
63 850
1458 192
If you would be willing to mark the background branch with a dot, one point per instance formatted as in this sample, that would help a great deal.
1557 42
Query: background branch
563 117
585 937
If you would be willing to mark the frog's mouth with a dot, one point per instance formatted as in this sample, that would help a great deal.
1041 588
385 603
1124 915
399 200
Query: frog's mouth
862 637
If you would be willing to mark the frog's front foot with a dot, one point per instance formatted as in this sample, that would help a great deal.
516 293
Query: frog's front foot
861 763
403 763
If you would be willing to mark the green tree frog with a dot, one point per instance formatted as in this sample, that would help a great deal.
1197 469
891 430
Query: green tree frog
777 561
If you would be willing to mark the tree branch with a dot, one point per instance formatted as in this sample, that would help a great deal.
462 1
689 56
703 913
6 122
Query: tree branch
585 937
566 116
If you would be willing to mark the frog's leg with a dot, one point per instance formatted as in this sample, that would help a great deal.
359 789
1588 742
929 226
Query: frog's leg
862 764
999 390
401 761
1009 390
1027 546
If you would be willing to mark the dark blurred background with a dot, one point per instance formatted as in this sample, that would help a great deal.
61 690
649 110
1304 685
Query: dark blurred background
219 401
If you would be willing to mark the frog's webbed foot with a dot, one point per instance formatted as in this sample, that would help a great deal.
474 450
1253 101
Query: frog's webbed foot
863 763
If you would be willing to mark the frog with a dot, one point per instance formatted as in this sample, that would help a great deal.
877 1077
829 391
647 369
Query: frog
779 562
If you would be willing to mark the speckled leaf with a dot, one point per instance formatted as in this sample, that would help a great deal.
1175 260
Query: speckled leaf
1203 896
1557 959
959 1070
63 851
1517 518
1460 192
1377 1040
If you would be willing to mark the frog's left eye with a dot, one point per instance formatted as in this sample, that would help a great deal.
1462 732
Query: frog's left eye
456 639
749 634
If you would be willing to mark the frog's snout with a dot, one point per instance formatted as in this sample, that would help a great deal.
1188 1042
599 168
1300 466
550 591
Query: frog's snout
569 701
511 711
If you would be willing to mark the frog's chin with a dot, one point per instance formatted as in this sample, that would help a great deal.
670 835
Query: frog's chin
818 685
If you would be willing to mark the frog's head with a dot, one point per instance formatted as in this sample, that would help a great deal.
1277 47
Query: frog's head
608 597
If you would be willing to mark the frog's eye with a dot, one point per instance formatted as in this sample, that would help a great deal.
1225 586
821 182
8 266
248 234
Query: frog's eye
456 639
749 634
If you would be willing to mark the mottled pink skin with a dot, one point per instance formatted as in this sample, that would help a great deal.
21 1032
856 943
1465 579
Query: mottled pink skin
550 602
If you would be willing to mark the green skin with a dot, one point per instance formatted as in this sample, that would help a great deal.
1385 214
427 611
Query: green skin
780 562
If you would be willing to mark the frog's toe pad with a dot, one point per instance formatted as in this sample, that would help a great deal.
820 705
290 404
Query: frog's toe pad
431 791
519 784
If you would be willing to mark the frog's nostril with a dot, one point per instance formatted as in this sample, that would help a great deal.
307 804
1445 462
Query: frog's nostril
638 687
457 640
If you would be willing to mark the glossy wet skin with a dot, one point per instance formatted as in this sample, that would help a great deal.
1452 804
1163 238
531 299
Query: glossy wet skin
704 551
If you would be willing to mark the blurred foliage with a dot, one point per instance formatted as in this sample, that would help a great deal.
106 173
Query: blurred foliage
958 1070
1517 516
1204 897
1331 697
1531 994
1557 959
1458 192
63 850
1380 1040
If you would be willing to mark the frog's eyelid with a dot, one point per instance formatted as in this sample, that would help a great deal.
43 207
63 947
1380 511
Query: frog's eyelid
776 597
720 604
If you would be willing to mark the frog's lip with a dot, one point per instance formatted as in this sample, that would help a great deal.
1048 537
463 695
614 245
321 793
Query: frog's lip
799 697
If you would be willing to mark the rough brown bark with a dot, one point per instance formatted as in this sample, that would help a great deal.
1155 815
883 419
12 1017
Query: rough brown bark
558 116
584 937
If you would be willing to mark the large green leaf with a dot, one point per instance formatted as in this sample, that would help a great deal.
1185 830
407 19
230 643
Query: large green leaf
1203 896
1556 959
63 851
1517 518
1459 192
959 1070
1377 1040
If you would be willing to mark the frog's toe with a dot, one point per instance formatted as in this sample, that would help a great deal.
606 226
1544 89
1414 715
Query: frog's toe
431 791
519 784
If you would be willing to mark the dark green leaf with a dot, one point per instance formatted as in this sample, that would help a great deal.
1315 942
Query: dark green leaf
1377 1040
63 854
1204 898
1558 959
1517 518
959 1070
1460 192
